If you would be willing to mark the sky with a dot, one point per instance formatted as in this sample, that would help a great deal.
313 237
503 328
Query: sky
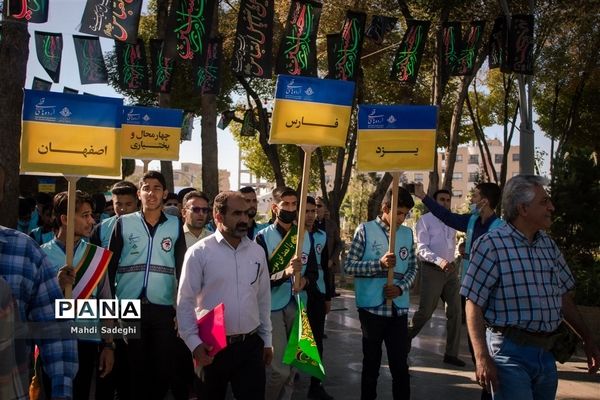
65 16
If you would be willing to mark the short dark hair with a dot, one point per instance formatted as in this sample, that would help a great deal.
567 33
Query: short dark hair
404 198
220 203
311 200
154 175
43 198
171 196
181 194
282 191
61 201
195 194
490 191
247 189
99 202
445 191
124 188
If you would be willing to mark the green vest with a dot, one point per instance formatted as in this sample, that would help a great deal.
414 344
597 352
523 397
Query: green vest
106 229
147 264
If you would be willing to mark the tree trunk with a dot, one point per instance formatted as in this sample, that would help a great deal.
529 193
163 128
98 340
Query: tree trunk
210 153
164 99
14 52
375 198
454 130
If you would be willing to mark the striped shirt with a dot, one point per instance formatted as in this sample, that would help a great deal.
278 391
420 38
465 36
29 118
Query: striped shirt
357 266
518 283
34 285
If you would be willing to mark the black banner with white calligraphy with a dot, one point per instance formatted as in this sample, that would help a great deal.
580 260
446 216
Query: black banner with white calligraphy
90 60
114 19
380 25
34 11
347 52
407 61
162 67
497 51
207 74
132 65
469 48
253 48
298 48
41 84
48 47
188 30
520 44
451 42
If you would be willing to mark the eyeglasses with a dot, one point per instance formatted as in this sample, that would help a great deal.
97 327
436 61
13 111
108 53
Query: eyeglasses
198 210
319 205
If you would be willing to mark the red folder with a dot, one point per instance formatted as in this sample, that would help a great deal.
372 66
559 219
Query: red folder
211 329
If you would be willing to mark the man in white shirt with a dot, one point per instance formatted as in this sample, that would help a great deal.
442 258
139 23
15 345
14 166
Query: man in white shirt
228 268
436 245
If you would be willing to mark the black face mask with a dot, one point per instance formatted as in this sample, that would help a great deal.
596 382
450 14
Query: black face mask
287 217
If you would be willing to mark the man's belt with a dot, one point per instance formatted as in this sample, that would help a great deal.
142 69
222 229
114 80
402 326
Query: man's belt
231 339
545 340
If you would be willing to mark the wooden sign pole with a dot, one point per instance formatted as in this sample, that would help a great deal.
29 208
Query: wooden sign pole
308 150
70 245
393 228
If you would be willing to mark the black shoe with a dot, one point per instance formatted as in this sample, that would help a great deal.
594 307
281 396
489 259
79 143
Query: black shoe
454 361
318 393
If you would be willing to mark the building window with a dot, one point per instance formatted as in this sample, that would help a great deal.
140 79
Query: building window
459 158
457 176
474 159
498 158
418 177
473 176
515 157
457 193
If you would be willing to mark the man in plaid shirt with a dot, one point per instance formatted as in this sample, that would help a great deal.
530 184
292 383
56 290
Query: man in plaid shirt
518 289
369 261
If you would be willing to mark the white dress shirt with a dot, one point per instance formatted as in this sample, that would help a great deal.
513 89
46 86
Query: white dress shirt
435 240
214 272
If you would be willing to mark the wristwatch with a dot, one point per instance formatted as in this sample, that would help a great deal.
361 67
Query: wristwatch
109 345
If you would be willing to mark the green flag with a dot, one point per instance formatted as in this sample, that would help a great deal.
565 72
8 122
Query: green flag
301 351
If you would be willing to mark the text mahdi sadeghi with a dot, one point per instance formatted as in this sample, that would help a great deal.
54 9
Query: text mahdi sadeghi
98 309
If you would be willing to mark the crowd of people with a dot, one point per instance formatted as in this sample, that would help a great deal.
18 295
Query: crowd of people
182 255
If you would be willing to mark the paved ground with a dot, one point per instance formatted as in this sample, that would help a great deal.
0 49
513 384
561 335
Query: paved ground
430 377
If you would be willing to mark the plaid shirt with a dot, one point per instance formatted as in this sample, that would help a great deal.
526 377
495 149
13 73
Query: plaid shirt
355 265
34 287
517 283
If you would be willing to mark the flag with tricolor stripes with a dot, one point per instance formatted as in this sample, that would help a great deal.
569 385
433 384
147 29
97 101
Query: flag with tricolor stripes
90 270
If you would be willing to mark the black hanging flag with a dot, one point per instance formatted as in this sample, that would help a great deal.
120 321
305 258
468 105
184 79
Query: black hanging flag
188 30
497 46
70 91
520 44
90 60
114 19
249 124
225 119
451 42
207 75
48 47
333 42
347 51
132 65
298 48
34 11
162 67
41 84
469 48
253 48
380 25
407 61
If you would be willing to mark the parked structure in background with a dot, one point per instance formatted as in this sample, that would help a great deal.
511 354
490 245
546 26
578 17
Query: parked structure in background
468 169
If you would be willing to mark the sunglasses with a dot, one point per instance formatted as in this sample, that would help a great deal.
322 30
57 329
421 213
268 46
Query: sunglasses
198 210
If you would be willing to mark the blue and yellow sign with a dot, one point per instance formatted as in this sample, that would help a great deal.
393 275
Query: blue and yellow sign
71 135
311 111
151 133
396 138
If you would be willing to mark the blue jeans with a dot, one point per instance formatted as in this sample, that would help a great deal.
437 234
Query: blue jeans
524 372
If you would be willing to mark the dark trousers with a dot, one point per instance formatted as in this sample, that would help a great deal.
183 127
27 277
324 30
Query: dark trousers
393 331
151 359
240 364
315 309
87 354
